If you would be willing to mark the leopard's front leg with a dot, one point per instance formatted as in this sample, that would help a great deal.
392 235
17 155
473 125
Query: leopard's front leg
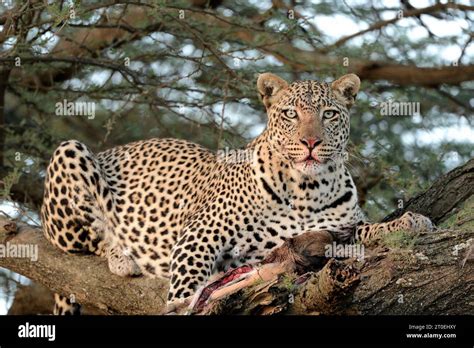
193 260
409 221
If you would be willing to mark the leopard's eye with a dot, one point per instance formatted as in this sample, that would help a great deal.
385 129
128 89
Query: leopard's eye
290 113
329 114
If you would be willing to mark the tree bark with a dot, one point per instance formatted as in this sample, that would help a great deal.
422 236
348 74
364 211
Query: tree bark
4 75
443 197
430 273
427 279
86 277
36 299
32 299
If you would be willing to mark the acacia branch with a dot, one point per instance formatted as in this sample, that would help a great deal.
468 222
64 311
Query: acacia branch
4 75
432 272
139 21
444 196
423 277
405 14
77 61
86 277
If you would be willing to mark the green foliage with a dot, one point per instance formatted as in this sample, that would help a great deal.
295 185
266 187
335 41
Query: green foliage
463 219
8 181
288 282
400 239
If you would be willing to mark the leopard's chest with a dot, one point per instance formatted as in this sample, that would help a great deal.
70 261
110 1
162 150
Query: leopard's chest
336 213
329 203
273 227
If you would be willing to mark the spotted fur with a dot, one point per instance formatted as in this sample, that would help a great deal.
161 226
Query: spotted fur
171 208
64 306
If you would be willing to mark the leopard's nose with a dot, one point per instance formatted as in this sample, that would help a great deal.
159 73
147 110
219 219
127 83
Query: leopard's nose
311 143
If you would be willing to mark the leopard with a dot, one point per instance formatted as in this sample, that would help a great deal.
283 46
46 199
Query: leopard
171 208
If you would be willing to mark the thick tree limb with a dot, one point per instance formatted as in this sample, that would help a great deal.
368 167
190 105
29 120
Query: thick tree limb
429 280
86 277
432 273
444 195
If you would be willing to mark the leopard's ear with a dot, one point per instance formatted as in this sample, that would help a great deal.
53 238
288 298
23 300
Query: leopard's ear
269 86
346 88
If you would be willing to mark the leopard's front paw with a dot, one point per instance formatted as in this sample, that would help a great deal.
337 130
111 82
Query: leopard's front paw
416 222
121 263
178 306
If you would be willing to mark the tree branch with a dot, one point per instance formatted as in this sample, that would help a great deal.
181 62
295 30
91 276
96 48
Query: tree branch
445 195
85 40
405 14
4 75
86 277
412 276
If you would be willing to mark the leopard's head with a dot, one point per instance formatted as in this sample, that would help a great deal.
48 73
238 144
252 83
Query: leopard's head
308 121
